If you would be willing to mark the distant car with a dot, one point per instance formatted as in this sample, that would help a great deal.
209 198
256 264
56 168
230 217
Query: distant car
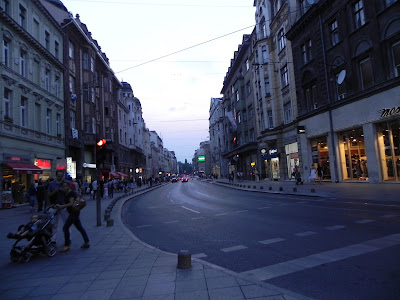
185 179
174 179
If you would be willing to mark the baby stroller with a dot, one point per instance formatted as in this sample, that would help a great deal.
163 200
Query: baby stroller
38 241
298 178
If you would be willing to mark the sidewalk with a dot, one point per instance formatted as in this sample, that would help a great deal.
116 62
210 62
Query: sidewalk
117 266
357 191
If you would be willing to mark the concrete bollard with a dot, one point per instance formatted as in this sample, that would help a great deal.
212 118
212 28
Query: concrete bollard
312 190
184 259
110 222
261 187
270 188
254 186
294 189
280 189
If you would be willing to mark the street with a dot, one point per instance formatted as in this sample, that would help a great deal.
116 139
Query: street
318 247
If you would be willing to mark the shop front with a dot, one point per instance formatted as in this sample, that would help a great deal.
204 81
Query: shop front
292 158
389 149
320 156
353 158
271 164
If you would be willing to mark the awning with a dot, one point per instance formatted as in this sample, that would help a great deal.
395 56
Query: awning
122 174
114 174
21 168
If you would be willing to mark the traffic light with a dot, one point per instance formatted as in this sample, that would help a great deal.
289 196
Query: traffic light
103 143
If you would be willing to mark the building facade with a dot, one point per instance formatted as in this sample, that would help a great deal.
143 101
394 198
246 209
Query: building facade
348 87
31 92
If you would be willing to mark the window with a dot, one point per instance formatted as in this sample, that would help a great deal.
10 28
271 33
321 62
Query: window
6 50
86 96
22 16
239 117
264 54
38 116
264 30
7 104
23 111
237 96
48 121
71 84
311 97
334 32
247 64
56 49
92 64
248 88
47 80
270 119
72 119
250 111
6 6
366 73
85 59
36 29
267 87
57 87
47 39
22 63
287 109
87 124
281 40
71 50
340 89
284 76
396 58
306 52
358 12
58 124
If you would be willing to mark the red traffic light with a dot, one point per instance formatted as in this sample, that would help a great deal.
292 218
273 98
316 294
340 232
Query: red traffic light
101 142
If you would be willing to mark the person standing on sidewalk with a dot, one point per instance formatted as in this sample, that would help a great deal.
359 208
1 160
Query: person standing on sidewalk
312 174
73 204
320 173
56 196
40 194
32 197
94 187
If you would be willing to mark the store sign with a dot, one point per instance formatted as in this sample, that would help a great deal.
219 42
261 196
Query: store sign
201 158
301 129
8 157
91 166
389 112
273 151
43 163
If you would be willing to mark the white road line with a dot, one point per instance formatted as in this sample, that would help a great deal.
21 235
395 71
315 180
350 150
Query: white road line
199 255
234 248
265 207
302 202
195 211
318 259
389 216
240 211
306 233
271 241
143 226
364 221
224 214
335 227
283 204
197 218
169 222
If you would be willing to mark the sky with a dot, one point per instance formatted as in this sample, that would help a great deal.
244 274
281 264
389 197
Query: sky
174 54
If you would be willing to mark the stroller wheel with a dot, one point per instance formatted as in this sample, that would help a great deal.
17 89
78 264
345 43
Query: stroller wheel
14 255
51 250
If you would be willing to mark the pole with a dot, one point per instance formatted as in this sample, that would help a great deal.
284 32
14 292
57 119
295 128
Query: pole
98 175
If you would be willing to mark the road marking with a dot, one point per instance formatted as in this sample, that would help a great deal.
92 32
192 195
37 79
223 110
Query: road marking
241 211
197 218
364 221
152 207
195 211
306 233
318 259
224 214
143 226
389 216
302 202
234 248
199 255
265 207
169 222
283 204
335 227
271 241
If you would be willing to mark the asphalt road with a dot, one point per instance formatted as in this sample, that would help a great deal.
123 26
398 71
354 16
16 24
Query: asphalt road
321 248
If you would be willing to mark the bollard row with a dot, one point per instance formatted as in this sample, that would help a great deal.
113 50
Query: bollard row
270 188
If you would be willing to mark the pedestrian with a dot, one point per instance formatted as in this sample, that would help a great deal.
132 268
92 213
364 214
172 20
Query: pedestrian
320 173
312 174
40 194
56 196
111 189
256 175
94 188
73 204
32 197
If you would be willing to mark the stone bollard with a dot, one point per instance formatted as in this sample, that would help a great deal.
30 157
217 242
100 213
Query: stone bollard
280 189
110 222
254 186
270 188
312 190
294 189
184 259
261 187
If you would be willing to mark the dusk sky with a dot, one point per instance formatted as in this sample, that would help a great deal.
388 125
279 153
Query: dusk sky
174 90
